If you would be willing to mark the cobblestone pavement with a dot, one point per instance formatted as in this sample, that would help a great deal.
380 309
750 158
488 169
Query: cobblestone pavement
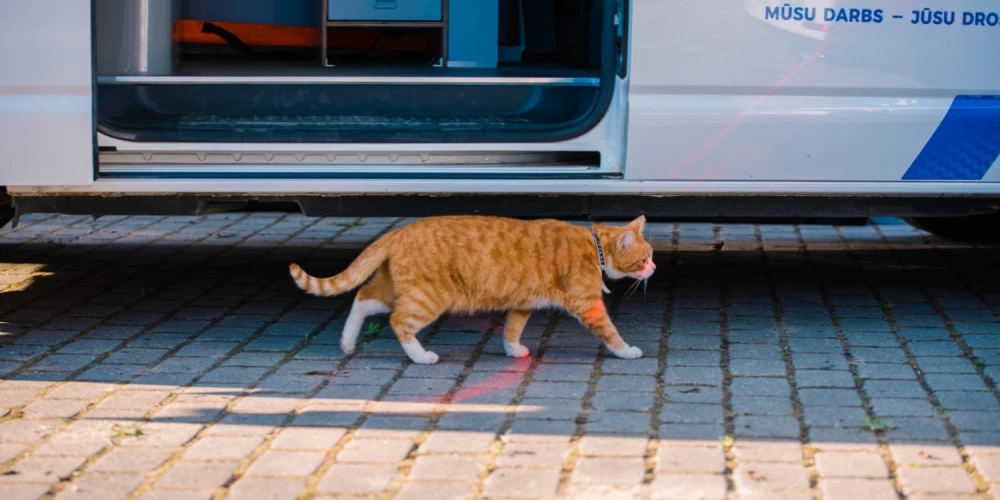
172 358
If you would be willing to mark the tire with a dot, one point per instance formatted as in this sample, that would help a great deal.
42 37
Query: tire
965 229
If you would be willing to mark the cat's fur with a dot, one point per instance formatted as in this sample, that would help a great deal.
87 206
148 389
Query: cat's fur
465 264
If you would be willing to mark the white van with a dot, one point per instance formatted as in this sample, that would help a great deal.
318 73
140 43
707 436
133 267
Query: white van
568 108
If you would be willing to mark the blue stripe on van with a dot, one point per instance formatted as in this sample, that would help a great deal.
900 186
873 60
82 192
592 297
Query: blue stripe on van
965 144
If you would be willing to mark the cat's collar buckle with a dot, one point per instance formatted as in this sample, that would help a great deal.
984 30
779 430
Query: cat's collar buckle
600 258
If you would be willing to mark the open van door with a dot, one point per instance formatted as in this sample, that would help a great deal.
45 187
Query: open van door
46 93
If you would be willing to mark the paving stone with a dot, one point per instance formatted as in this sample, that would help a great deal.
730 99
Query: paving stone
36 469
758 477
521 483
626 383
757 368
842 439
567 390
607 445
709 460
266 489
23 491
617 422
679 434
223 448
621 401
851 465
693 375
852 489
886 371
541 430
91 486
307 438
688 487
435 491
941 480
693 394
357 478
457 442
924 454
776 427
761 405
563 373
759 386
130 460
447 468
887 407
770 450
917 429
533 455
692 358
286 463
989 467
57 408
472 422
623 471
975 420
197 475
375 450
954 382
829 397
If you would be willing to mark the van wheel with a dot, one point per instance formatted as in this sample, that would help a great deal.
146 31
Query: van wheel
983 228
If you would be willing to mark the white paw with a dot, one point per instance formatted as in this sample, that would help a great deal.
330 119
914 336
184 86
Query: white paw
347 347
425 358
631 352
515 350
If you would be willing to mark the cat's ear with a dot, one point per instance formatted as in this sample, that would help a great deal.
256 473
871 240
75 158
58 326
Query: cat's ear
626 239
639 224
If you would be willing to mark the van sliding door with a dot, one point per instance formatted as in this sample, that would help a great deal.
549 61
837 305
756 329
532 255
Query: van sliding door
46 97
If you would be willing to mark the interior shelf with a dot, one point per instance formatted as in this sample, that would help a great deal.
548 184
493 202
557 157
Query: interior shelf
305 73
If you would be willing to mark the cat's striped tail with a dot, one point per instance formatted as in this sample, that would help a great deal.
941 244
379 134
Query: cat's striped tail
360 270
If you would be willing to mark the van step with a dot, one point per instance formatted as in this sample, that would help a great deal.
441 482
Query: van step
249 73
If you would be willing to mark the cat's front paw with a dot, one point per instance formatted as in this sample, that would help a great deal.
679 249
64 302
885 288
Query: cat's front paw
347 347
515 350
425 358
631 352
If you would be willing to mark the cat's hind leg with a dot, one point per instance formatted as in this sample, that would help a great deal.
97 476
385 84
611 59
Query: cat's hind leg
373 298
407 319
512 329
594 316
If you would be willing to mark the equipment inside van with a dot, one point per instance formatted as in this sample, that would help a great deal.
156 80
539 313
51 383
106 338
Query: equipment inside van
353 70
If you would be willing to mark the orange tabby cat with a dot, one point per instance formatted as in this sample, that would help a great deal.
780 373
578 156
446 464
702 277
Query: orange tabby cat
465 264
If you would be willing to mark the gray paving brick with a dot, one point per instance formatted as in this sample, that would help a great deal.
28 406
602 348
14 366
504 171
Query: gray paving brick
693 358
710 460
691 413
23 491
688 375
761 405
776 427
917 429
457 442
824 378
222 448
522 483
851 465
686 433
842 439
760 386
849 489
197 475
829 397
618 422
568 390
91 486
924 454
759 477
989 467
892 407
447 468
624 471
757 368
626 383
886 371
356 478
688 487
767 450
954 382
44 469
435 491
942 480
130 460
622 401
642 366
894 389
267 488
533 455
975 420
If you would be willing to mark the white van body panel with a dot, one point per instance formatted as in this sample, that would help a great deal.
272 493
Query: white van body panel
757 92
46 88
721 96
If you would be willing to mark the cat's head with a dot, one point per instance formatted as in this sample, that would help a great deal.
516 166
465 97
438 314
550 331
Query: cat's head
627 253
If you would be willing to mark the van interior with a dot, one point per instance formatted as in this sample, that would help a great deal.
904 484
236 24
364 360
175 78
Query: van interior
355 71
